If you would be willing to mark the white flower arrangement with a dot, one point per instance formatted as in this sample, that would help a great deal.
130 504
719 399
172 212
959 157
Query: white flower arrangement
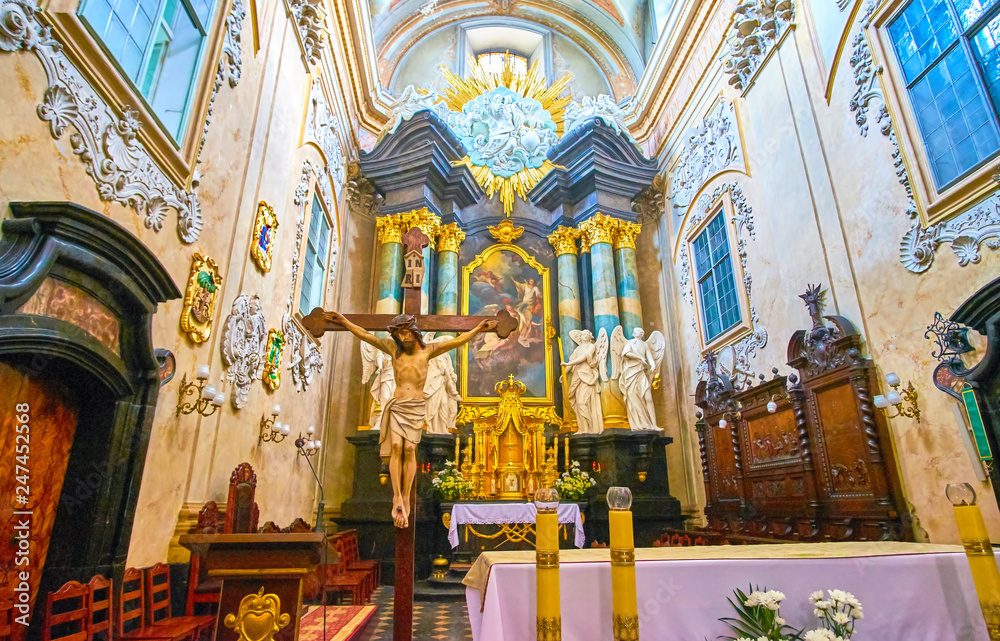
759 617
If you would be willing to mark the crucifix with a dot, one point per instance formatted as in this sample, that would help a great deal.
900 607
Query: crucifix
403 415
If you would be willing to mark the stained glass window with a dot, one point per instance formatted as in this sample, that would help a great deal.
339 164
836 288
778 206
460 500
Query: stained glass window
493 62
948 52
159 45
713 266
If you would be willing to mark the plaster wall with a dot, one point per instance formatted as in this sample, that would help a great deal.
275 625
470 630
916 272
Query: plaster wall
253 152
828 208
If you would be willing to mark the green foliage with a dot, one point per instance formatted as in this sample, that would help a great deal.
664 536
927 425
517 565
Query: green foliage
206 280
450 485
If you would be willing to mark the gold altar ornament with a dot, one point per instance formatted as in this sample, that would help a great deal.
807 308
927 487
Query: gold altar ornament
265 226
390 229
199 298
625 234
272 358
563 240
979 551
533 86
506 231
259 617
600 228
450 238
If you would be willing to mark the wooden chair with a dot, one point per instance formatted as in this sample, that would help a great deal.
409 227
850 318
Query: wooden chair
99 617
66 613
340 580
6 619
241 509
132 623
201 588
158 604
269 528
298 526
354 560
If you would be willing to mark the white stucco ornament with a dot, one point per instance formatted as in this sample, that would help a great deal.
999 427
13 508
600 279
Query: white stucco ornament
603 108
243 341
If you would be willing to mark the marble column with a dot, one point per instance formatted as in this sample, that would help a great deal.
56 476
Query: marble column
450 238
390 265
563 241
599 232
428 223
629 308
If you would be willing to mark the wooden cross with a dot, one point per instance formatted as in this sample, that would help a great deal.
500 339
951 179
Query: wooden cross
317 324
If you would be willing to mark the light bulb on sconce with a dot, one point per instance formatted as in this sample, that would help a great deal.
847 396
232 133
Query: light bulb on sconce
307 446
271 430
897 398
205 398
723 423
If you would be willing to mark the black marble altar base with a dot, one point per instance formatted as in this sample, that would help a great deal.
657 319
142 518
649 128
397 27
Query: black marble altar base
622 454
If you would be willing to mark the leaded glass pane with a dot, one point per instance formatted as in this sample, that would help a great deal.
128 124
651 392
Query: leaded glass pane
971 10
720 307
921 33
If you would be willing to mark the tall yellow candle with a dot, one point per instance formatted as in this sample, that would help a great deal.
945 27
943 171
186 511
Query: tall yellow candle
979 552
567 452
458 444
624 601
548 616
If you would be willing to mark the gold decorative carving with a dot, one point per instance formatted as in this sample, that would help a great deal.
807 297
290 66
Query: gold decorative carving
265 226
272 358
259 617
446 520
563 240
199 298
450 238
506 232
625 237
600 228
547 559
550 331
549 628
626 627
390 229
624 557
423 219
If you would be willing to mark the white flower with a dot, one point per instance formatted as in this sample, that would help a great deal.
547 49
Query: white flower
816 596
753 600
857 613
841 618
822 605
819 634
779 621
838 596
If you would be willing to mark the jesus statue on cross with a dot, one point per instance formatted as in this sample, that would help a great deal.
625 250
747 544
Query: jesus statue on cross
403 415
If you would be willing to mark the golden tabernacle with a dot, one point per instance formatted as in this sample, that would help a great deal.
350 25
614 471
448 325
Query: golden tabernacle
509 458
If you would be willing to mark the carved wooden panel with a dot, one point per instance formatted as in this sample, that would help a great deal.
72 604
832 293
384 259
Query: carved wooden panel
724 469
772 439
846 464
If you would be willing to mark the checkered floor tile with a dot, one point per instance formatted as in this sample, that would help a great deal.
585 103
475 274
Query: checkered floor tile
431 620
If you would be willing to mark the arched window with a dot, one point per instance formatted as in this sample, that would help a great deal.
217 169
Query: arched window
493 61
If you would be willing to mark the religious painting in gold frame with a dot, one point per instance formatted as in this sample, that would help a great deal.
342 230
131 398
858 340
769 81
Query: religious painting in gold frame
505 276
265 226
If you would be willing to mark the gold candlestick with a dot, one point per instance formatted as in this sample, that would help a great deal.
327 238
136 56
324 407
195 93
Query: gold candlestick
458 445
624 601
547 613
978 550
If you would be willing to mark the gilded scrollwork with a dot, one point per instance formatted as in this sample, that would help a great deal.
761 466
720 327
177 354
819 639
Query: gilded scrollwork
272 358
258 618
563 240
506 231
265 226
199 298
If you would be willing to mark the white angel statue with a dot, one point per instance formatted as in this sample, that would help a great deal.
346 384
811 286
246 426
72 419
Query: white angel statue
635 363
411 101
441 392
586 369
375 361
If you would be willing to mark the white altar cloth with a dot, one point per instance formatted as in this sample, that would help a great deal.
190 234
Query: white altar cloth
494 513
910 591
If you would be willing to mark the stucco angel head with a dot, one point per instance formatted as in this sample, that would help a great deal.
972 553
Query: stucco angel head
638 333
586 336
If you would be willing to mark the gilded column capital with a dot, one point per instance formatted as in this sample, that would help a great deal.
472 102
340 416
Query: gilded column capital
563 240
390 229
450 237
626 235
600 228
422 218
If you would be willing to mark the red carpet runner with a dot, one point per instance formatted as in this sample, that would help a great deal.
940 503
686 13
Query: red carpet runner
342 622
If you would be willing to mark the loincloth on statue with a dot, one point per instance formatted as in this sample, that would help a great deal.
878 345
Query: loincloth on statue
404 416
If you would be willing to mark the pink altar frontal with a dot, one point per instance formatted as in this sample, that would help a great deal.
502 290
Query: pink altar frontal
910 591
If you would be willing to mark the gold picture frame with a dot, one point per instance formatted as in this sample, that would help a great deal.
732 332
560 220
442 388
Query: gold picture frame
543 272
273 348
199 298
265 226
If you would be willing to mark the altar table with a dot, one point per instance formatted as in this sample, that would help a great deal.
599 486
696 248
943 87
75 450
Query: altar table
911 591
500 513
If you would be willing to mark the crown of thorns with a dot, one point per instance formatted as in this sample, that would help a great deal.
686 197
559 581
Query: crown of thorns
403 321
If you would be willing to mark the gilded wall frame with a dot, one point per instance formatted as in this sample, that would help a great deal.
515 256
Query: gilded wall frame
265 226
199 298
464 363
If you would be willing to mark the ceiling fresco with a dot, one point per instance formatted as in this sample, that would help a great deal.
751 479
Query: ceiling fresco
612 34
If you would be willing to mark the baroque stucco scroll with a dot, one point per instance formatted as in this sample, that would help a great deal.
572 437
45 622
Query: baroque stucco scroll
118 163
758 26
243 342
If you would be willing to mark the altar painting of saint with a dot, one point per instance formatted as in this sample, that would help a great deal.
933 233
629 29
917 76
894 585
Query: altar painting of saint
504 277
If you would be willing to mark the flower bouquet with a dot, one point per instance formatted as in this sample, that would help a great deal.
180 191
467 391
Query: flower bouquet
449 484
759 618
575 483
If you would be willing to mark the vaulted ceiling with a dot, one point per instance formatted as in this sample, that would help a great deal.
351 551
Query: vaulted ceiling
610 34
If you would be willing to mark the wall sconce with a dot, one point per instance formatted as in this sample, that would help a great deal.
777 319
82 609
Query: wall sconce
307 446
271 430
897 398
207 398
642 477
596 467
724 422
